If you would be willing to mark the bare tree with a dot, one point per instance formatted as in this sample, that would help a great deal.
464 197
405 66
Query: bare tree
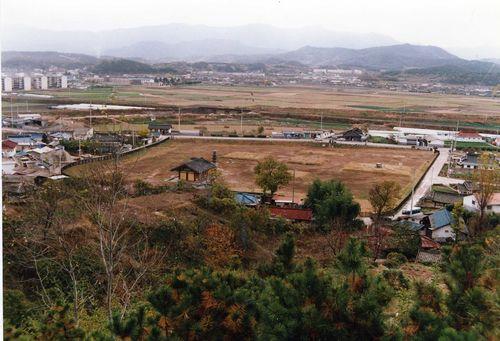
383 197
125 253
107 211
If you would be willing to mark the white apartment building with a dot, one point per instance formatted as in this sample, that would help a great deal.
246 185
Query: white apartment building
21 83
60 82
6 84
40 82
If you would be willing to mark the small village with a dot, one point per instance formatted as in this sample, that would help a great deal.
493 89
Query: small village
40 151
250 170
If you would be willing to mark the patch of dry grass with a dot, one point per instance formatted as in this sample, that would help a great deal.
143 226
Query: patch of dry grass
237 159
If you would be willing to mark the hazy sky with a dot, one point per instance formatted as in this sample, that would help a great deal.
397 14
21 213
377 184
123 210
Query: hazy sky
447 23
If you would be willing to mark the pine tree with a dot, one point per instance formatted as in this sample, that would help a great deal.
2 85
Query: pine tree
467 302
350 260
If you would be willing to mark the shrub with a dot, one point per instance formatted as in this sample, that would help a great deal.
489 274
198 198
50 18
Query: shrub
395 259
395 279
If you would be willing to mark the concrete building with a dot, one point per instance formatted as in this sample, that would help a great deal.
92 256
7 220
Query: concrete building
6 84
21 83
55 81
40 82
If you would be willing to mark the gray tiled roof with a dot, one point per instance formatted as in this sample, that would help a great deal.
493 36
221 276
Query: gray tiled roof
198 165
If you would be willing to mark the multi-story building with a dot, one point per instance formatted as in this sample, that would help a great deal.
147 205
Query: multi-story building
40 82
6 84
21 83
57 82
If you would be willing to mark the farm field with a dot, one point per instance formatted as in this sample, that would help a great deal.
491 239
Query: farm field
322 98
344 106
236 160
287 97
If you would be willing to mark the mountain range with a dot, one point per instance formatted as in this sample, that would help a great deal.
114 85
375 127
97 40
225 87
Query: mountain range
394 57
259 38
154 47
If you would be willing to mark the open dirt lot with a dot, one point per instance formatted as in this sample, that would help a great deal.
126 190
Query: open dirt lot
236 160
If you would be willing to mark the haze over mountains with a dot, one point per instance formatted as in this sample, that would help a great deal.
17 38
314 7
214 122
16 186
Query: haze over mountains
181 39
247 44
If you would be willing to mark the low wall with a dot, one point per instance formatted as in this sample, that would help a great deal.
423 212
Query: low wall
403 201
109 156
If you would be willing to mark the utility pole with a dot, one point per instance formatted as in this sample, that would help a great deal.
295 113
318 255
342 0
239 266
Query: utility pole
179 117
321 121
60 151
11 113
293 187
412 192
403 114
90 113
241 122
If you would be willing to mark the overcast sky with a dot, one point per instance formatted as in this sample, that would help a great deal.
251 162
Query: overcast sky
446 23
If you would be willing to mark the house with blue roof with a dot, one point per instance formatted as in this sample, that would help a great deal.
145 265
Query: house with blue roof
26 142
441 226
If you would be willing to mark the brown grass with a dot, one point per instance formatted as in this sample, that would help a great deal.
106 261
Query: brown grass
237 159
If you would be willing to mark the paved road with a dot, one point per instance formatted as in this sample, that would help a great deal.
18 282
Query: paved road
430 178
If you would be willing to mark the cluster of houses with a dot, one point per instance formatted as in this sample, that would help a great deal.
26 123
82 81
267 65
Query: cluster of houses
440 226
442 196
26 158
32 154
472 160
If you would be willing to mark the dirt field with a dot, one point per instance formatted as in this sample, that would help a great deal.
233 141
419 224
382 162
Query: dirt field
236 160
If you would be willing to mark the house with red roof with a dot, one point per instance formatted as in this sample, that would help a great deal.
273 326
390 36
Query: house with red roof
9 148
464 136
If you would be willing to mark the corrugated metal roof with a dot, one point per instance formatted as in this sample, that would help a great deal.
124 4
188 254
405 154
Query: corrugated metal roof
440 218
